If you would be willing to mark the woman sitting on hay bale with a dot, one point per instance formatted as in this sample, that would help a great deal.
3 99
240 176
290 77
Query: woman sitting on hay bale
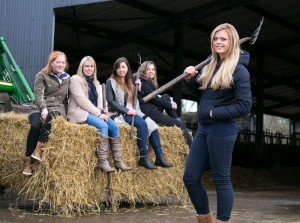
50 92
120 98
155 107
88 105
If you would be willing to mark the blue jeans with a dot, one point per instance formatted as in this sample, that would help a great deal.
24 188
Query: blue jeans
104 127
142 135
207 150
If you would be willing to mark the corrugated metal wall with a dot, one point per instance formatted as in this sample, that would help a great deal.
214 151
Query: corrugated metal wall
28 28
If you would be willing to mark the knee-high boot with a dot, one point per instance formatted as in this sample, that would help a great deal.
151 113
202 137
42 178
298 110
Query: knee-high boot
145 162
115 145
102 153
155 142
37 153
160 161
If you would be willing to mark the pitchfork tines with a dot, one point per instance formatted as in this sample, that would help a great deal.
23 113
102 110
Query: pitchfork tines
256 32
254 36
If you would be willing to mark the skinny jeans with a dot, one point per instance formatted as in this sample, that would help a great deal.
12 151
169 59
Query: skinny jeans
105 128
212 147
39 130
142 135
169 121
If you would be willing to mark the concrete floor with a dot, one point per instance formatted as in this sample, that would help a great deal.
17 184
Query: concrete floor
250 207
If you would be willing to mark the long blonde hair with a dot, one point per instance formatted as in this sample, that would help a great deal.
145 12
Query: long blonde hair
143 71
53 55
80 68
223 77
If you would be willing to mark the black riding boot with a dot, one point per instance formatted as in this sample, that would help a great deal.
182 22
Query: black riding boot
145 162
160 161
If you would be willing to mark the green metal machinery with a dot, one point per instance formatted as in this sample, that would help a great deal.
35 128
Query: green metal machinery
14 89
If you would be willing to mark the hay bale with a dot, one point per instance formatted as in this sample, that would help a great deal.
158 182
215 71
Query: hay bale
68 182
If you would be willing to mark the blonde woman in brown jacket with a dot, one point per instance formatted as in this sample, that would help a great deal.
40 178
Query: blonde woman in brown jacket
51 97
86 106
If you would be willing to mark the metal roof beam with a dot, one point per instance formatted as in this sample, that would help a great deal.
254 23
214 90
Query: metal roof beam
166 23
145 7
274 18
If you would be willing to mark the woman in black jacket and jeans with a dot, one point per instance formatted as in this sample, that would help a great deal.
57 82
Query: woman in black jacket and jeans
155 107
224 86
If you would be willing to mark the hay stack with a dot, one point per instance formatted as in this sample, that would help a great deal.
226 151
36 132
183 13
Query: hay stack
67 181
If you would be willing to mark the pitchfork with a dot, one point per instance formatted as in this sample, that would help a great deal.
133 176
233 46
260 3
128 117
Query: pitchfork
163 88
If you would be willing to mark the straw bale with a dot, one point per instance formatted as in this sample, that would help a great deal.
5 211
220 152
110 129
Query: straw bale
67 181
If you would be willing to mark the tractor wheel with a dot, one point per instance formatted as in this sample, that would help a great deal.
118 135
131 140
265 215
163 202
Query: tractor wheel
5 102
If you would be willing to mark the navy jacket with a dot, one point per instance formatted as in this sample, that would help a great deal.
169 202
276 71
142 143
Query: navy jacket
152 107
226 104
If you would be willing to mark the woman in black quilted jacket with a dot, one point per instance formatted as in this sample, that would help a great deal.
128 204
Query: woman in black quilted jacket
224 86
155 107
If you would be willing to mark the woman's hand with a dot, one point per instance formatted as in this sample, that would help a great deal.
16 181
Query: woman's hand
103 117
131 112
174 105
44 113
191 71
105 111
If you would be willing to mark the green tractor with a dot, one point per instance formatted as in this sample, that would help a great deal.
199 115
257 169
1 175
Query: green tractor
15 93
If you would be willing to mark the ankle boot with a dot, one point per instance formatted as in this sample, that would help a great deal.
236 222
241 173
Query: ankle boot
160 161
37 153
102 153
27 165
205 218
115 145
145 162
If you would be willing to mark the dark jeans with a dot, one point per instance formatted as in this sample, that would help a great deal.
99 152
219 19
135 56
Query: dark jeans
216 152
39 131
171 112
142 135
170 120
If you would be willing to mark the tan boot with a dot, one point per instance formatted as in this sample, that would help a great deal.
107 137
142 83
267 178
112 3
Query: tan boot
27 165
102 153
115 145
205 218
37 153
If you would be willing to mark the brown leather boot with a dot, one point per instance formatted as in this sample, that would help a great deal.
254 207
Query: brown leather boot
37 153
115 145
205 218
102 153
27 165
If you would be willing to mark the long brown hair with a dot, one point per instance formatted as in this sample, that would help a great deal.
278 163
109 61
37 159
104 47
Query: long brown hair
127 85
52 57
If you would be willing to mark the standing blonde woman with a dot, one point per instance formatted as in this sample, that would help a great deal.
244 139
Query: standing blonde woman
224 85
51 99
86 105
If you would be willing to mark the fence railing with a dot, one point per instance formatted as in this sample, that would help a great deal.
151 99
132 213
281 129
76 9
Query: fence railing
276 149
